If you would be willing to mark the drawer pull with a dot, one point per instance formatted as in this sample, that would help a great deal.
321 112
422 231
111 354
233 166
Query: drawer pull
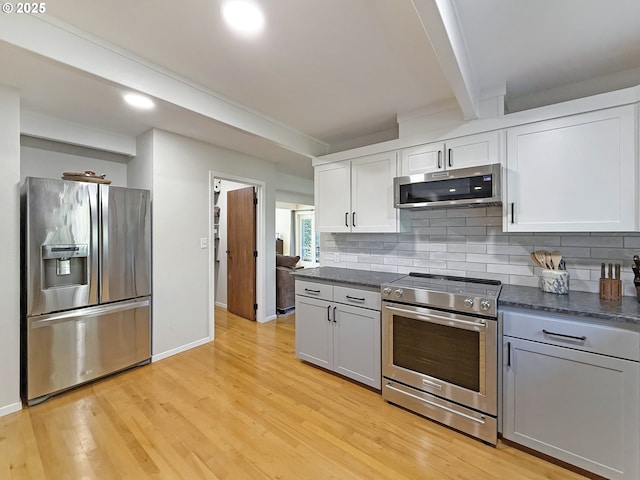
357 299
308 290
572 337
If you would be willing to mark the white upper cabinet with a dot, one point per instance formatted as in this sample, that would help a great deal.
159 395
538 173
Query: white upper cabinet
469 151
576 173
356 195
332 187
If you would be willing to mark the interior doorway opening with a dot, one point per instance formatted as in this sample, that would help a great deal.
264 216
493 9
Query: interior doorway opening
297 246
220 184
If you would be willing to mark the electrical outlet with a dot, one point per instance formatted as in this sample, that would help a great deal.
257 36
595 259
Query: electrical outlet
203 243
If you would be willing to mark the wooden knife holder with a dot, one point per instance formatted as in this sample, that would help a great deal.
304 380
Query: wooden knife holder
610 289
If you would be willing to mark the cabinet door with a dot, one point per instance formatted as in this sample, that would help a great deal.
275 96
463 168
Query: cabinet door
314 331
357 344
332 197
372 193
576 173
473 150
422 159
579 407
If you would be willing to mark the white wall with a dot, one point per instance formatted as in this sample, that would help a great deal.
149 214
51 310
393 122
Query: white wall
181 215
10 248
221 264
43 161
283 228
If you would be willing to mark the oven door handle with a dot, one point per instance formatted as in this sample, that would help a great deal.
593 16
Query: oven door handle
440 320
433 404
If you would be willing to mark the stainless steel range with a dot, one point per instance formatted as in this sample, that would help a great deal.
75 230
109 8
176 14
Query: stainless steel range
439 350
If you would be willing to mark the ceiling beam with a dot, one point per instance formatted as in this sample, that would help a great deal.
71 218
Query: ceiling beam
441 25
58 41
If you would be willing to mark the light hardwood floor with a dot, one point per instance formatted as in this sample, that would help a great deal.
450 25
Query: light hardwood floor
243 407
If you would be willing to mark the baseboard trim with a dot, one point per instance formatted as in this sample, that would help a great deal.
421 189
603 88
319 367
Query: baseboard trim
269 319
183 348
221 305
11 408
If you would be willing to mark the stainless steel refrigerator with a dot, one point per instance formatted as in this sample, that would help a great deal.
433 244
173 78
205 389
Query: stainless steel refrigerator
86 283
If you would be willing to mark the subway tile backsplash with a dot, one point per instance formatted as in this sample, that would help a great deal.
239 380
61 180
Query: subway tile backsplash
470 242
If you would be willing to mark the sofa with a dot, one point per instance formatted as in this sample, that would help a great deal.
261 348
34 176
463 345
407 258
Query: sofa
285 282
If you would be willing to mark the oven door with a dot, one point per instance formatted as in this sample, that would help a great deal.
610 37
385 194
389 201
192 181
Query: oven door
449 355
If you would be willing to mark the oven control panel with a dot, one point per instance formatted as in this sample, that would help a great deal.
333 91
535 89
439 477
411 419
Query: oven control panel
463 303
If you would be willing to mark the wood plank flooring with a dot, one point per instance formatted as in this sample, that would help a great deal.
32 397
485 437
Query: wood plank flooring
243 407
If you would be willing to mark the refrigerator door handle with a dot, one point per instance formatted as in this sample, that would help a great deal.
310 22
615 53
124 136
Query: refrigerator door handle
104 243
46 320
94 212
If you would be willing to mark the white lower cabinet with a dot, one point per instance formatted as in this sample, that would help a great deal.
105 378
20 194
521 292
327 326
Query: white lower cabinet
567 395
340 337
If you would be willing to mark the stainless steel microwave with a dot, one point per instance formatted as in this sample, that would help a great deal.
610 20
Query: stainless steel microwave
462 187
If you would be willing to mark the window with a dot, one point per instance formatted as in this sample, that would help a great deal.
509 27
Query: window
307 239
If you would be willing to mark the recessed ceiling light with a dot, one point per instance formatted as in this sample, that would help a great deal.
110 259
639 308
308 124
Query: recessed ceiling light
243 15
139 101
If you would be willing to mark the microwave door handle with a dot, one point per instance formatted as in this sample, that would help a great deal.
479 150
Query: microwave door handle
440 320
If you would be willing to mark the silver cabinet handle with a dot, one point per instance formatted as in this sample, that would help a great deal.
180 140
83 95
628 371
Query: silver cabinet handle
355 299
563 335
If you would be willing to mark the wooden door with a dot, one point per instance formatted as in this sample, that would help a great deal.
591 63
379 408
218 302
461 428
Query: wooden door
241 252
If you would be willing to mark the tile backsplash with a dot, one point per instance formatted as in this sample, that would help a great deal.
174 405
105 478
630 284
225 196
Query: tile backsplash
470 242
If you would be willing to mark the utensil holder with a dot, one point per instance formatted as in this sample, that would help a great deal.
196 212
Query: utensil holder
555 281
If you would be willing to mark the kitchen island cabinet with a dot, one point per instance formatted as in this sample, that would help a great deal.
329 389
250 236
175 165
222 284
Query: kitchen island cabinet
573 174
571 390
338 328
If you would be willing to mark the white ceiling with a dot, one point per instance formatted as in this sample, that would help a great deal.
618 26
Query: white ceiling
332 71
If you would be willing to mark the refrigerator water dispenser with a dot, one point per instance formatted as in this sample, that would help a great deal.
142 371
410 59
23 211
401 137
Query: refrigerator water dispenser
64 265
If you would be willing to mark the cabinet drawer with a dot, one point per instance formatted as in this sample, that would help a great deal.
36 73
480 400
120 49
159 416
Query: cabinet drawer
567 332
357 297
313 289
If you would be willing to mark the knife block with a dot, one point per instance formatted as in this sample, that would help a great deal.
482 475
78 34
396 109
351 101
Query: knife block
610 289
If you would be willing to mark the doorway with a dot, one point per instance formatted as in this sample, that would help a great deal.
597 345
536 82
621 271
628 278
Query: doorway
220 183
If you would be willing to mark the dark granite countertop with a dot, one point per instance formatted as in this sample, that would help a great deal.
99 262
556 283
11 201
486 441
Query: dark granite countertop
574 303
349 276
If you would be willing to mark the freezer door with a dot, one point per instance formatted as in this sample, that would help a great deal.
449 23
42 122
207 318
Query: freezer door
59 245
66 349
126 243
